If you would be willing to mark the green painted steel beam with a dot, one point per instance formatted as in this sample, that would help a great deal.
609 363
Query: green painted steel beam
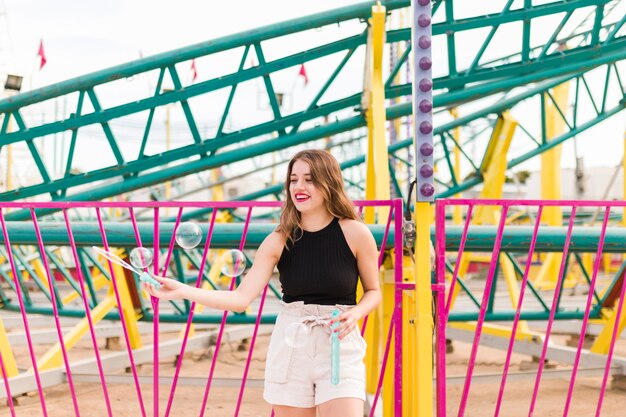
199 318
87 234
524 315
323 131
549 239
479 238
515 15
298 138
358 11
537 70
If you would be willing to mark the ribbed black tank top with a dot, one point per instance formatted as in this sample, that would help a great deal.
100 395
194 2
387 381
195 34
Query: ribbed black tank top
319 268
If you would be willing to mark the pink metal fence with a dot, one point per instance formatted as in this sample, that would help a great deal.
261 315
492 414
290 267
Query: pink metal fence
94 211
527 403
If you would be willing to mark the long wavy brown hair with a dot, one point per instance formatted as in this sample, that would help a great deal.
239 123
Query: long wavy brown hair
326 175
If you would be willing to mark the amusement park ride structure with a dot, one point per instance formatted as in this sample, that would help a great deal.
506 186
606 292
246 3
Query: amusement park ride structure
494 109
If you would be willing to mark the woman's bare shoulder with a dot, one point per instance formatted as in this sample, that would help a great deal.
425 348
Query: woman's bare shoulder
273 244
356 227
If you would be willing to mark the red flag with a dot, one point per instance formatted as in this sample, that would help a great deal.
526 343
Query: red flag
194 70
42 55
303 74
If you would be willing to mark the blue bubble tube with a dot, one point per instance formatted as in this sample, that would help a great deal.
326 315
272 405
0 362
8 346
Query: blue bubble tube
143 276
334 352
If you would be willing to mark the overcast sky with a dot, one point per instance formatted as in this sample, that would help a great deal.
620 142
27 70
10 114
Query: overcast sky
81 36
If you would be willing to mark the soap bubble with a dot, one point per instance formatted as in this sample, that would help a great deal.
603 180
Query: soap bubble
141 257
188 235
296 334
233 263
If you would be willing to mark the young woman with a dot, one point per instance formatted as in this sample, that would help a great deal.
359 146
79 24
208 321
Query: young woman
321 249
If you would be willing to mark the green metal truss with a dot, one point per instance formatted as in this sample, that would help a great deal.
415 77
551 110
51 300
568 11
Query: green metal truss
599 42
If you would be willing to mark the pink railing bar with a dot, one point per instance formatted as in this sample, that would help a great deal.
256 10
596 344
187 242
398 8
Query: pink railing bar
583 330
192 308
396 319
92 332
18 290
398 271
55 309
458 258
224 317
254 335
381 255
248 204
607 368
557 291
518 310
442 311
381 377
129 349
483 310
532 203
170 248
155 320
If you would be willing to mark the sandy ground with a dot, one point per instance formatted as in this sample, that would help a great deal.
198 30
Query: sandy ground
552 394
230 366
124 399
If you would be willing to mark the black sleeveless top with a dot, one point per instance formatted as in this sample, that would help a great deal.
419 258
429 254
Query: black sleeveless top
319 268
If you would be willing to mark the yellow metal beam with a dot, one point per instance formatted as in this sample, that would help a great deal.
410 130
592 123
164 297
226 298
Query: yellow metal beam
551 180
377 187
422 391
378 179
457 214
8 359
603 341
53 357
494 170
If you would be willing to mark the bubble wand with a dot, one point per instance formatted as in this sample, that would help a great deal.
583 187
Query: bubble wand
143 276
334 352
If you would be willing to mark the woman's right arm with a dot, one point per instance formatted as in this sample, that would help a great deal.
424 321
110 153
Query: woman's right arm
256 279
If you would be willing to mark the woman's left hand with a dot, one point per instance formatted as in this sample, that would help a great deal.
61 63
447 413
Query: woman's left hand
348 321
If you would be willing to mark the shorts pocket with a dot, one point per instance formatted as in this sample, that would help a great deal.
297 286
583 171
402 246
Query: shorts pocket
355 337
279 354
353 349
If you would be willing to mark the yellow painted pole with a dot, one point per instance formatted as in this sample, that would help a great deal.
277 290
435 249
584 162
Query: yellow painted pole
409 347
53 357
10 366
457 214
422 391
378 179
493 169
551 180
127 308
603 341
377 187
377 175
